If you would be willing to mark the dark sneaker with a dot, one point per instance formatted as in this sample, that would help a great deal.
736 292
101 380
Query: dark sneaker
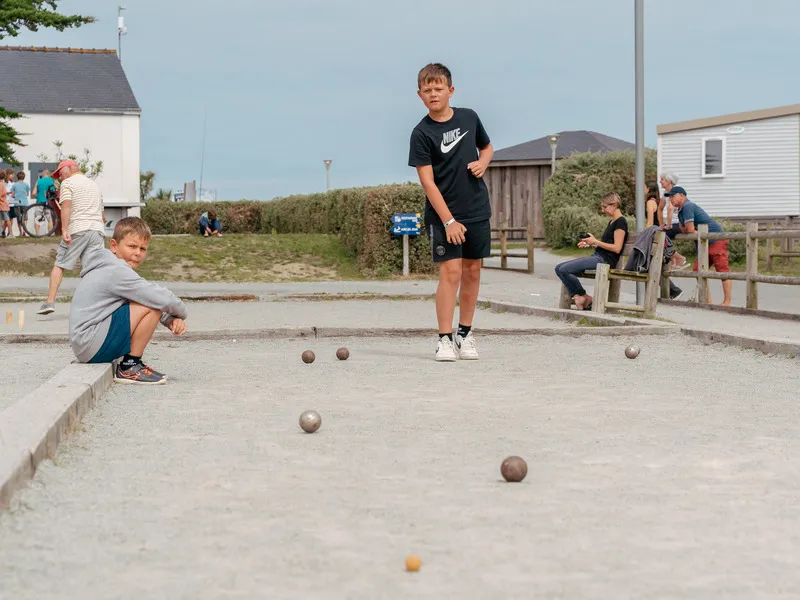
676 294
46 308
139 374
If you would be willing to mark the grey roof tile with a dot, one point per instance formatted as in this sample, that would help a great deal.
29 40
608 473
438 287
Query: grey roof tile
53 80
569 142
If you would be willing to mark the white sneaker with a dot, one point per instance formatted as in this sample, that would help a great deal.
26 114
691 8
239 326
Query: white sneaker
445 351
467 348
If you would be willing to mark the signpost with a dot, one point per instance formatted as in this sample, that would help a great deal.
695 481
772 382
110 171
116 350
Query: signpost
406 224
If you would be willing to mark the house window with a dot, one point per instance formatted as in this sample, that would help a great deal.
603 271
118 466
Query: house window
713 157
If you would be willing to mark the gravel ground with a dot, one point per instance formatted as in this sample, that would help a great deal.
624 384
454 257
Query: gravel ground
24 367
372 314
646 479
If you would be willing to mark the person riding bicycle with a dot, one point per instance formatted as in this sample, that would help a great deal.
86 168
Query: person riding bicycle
82 223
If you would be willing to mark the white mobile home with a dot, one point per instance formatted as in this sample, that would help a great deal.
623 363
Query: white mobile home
739 165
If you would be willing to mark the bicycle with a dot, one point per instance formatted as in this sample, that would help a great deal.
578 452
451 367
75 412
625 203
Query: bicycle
42 220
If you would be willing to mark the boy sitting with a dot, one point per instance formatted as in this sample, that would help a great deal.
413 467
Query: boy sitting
115 312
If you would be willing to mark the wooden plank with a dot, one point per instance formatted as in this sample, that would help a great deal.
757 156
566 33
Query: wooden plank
752 266
654 275
702 258
529 236
769 250
627 275
503 246
601 285
622 306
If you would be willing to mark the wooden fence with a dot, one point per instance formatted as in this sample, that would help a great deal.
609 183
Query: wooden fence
751 275
503 232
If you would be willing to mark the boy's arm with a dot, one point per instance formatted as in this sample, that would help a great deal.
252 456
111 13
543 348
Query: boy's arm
478 167
453 229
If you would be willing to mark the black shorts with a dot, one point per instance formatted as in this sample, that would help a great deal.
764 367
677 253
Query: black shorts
477 244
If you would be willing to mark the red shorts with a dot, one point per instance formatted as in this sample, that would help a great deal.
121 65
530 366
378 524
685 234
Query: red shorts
717 257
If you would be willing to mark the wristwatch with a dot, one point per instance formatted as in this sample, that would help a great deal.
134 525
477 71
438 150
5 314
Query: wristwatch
450 222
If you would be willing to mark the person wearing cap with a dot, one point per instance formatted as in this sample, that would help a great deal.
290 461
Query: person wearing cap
690 215
82 224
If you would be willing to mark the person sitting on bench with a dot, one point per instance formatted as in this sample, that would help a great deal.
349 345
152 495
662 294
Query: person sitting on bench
607 250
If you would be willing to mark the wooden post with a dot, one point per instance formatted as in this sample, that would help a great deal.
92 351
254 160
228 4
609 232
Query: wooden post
503 245
702 264
769 246
600 288
529 233
405 256
752 265
784 243
653 276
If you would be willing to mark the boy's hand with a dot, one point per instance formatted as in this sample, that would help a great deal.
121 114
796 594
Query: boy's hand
178 326
67 238
477 168
455 233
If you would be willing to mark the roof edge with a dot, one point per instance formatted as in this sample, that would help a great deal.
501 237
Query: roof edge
46 49
730 119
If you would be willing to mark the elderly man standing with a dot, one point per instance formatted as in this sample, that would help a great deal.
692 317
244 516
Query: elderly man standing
690 216
82 224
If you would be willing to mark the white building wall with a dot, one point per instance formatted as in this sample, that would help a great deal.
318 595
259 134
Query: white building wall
762 167
114 139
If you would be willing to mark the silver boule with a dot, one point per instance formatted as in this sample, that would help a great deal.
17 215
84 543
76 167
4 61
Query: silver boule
310 421
632 351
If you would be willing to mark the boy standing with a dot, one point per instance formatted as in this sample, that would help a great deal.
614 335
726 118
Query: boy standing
451 151
115 312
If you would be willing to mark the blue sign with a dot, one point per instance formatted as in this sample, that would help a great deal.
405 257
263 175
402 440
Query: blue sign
406 224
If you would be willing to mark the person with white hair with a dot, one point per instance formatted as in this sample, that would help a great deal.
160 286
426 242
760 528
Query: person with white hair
671 226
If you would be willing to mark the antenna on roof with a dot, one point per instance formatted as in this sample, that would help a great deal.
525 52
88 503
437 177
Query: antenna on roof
121 30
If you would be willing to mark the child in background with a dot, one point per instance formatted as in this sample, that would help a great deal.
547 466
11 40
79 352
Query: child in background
20 189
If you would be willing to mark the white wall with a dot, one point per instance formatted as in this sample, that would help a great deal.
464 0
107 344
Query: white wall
114 139
762 168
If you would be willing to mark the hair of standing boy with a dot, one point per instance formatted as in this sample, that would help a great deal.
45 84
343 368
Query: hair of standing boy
434 72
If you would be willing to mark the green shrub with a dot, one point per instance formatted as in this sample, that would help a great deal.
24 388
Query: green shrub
737 249
166 217
571 197
359 216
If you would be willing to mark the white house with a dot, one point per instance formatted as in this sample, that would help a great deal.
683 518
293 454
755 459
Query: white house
83 99
739 165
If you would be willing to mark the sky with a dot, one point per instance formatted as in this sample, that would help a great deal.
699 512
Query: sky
287 84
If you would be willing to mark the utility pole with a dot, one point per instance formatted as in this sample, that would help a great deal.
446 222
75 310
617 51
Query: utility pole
327 174
121 30
639 84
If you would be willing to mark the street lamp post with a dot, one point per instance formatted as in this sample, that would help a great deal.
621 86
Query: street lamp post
121 30
639 84
553 139
327 174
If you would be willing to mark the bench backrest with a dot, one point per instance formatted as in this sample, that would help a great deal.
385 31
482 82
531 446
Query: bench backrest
630 242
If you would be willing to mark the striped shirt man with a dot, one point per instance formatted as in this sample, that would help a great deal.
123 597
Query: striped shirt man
87 204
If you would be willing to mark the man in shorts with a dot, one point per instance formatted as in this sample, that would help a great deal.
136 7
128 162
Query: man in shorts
82 224
451 150
690 215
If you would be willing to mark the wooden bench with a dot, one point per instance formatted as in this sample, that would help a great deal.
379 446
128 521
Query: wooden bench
607 281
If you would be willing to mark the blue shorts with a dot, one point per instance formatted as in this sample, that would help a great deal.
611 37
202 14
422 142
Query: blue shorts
118 339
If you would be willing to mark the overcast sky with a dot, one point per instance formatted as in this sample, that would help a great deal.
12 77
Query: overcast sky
287 84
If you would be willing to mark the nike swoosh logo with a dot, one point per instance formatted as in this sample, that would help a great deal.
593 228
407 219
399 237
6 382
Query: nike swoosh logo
447 147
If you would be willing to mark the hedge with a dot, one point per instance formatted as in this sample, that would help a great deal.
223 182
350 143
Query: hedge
571 197
359 216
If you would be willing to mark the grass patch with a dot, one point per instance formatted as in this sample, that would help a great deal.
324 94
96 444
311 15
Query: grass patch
232 258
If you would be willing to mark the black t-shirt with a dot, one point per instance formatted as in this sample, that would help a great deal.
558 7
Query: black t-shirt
449 147
610 257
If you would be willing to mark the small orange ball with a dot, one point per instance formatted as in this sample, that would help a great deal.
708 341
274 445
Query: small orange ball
413 563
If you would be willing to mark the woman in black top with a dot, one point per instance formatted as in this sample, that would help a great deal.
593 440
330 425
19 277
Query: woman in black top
607 250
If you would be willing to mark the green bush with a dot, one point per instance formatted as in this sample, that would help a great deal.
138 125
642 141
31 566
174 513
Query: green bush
737 249
166 217
571 197
359 216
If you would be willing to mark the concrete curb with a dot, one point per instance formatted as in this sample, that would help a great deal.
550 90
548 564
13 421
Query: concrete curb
764 345
734 310
32 428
